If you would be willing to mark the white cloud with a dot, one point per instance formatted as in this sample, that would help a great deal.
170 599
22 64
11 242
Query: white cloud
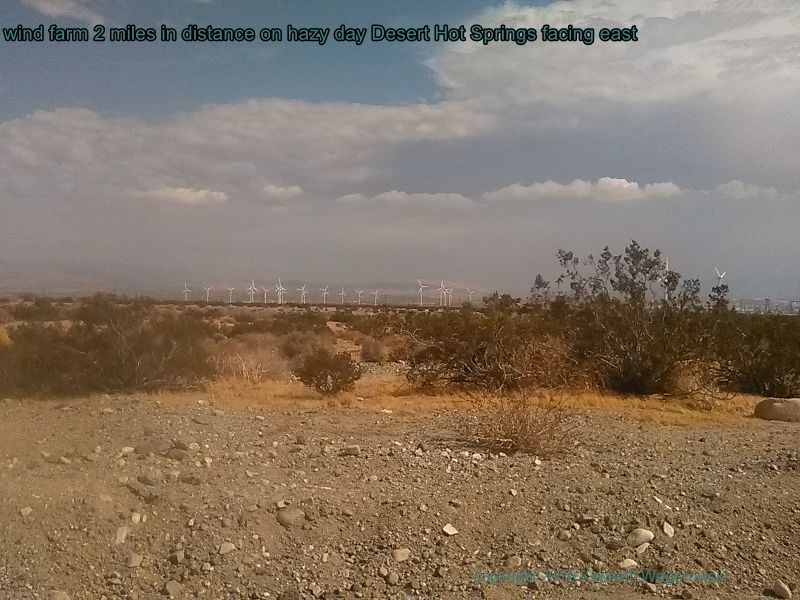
605 189
183 195
65 8
279 195
738 190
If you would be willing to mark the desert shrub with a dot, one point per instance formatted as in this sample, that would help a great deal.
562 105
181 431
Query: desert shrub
116 348
372 350
252 358
498 351
297 344
328 373
760 354
40 309
527 423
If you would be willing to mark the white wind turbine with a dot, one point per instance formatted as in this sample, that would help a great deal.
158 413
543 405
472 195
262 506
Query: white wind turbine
324 295
266 291
470 292
280 290
252 291
442 294
719 276
375 294
359 292
186 292
230 295
341 295
207 290
448 294
421 287
303 293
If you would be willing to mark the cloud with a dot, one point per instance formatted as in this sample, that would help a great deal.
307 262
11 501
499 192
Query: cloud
738 190
279 195
605 189
182 195
65 8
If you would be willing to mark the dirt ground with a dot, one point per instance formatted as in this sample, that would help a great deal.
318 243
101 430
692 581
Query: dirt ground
270 492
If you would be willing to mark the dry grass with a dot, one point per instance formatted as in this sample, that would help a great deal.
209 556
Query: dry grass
4 339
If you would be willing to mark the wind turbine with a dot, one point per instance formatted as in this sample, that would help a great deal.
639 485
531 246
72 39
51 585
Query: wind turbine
470 292
359 292
251 291
442 293
421 287
719 276
230 295
448 295
303 293
341 295
207 290
375 293
186 292
265 290
280 290
324 295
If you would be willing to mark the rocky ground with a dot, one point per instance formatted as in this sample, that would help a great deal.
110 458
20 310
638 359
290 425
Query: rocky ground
122 497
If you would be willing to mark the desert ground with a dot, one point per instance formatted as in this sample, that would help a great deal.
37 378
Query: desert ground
268 491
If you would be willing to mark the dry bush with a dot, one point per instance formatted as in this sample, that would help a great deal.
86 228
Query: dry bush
252 358
328 373
537 423
372 350
298 344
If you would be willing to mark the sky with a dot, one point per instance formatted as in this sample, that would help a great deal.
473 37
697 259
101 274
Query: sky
141 166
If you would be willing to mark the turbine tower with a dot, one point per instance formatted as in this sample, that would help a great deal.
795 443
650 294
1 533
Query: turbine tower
470 292
448 296
303 293
252 290
230 295
719 276
375 293
324 295
359 292
280 290
341 295
207 290
266 291
186 292
442 293
421 287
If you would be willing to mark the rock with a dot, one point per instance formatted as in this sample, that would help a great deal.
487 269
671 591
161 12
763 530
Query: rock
226 548
351 451
778 409
152 478
59 596
176 454
25 512
637 537
134 560
290 517
122 535
191 478
628 563
668 530
449 530
172 588
392 578
564 535
289 595
650 587
781 590
512 562
642 548
401 554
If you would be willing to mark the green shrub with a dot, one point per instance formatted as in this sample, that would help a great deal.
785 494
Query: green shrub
328 373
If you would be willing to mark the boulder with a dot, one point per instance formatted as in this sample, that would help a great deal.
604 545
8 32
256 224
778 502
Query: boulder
778 409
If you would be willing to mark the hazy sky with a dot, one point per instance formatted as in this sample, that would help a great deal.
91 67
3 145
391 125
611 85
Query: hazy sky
147 164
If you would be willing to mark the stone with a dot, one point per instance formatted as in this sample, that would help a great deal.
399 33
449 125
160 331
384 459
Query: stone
449 530
512 562
401 554
628 563
781 590
290 517
352 451
778 409
173 589
637 537
564 535
134 560
392 578
122 535
59 596
226 548
25 512
668 530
